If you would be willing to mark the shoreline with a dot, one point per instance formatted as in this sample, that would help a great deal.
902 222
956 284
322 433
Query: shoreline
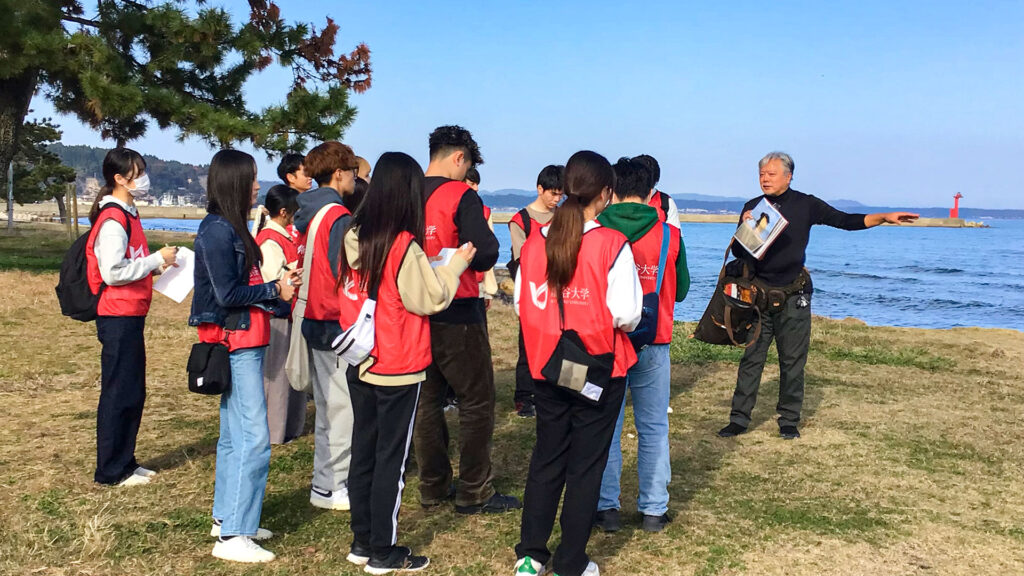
47 212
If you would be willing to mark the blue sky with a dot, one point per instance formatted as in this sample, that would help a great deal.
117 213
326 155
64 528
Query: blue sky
883 102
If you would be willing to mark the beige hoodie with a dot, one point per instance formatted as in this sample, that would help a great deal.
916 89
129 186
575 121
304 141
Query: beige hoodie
423 290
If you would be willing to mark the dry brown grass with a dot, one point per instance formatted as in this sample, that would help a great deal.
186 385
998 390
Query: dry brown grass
911 463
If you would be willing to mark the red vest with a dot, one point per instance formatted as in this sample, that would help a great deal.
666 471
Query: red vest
258 334
584 298
291 252
322 303
646 251
131 299
480 275
656 203
402 339
442 232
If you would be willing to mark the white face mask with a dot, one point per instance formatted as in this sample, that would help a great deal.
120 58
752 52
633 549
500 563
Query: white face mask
141 185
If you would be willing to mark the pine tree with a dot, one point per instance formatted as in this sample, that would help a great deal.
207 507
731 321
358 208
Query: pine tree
38 173
121 65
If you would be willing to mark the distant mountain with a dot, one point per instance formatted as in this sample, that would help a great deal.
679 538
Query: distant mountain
509 192
706 198
167 176
845 204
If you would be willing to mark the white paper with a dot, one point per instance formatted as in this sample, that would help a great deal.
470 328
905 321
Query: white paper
444 257
592 391
177 281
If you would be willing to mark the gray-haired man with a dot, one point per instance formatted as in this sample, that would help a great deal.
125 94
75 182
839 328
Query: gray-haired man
783 266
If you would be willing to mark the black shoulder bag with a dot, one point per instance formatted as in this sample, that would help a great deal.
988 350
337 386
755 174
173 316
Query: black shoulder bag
209 368
573 368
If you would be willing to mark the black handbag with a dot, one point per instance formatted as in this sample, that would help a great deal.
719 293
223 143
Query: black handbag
574 369
209 368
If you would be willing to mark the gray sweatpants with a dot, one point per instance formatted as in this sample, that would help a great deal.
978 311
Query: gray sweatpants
286 407
333 424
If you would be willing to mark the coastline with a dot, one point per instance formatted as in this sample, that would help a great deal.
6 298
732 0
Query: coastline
47 212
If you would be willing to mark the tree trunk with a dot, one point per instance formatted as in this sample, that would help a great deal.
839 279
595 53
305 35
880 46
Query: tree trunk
15 96
62 209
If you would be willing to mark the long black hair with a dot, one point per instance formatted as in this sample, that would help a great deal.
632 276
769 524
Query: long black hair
229 193
586 175
393 204
119 161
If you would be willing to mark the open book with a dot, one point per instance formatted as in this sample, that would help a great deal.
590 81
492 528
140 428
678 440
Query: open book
758 234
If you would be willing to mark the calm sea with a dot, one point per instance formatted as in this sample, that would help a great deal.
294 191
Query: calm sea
921 277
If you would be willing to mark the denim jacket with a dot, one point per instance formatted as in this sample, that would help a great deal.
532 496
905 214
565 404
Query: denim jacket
222 291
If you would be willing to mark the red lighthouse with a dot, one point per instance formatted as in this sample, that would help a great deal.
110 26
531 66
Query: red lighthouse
955 211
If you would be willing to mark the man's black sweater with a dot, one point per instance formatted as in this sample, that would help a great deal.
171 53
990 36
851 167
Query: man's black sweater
782 262
472 227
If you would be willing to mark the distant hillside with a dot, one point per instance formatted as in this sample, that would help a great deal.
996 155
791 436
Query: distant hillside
167 176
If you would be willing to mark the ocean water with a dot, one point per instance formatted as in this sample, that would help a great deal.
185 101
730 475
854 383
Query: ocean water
890 276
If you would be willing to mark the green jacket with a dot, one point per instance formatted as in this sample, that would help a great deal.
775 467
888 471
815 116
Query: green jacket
634 220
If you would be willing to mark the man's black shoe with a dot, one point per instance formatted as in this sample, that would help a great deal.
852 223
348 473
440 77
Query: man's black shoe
359 554
655 523
733 429
494 505
608 520
400 560
789 432
526 409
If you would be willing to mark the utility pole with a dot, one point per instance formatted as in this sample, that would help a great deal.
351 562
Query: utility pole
10 196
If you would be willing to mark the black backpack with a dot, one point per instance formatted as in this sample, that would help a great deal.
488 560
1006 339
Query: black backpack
73 292
513 264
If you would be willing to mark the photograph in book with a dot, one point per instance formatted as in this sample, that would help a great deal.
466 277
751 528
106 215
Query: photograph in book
758 233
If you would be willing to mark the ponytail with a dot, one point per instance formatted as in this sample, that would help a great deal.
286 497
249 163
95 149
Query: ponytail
120 161
586 175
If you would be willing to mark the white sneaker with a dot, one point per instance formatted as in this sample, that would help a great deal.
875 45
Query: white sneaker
241 549
134 480
144 472
592 570
336 500
527 565
261 533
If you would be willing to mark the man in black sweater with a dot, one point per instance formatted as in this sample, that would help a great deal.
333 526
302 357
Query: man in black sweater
783 266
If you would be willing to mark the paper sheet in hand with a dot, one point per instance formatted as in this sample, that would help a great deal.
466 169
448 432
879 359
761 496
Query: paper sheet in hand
444 257
177 281
758 234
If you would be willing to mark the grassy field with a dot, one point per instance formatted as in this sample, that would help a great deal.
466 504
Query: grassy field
911 461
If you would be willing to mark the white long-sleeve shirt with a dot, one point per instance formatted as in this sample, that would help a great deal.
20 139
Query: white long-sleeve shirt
110 247
273 266
625 297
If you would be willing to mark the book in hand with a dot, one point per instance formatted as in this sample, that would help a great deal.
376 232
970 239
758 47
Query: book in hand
758 233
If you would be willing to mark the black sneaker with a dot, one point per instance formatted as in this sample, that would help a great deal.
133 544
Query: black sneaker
789 432
400 560
495 505
526 410
608 520
733 429
359 554
655 523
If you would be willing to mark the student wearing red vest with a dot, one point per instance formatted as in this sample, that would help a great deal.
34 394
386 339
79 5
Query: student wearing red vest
660 201
382 255
119 263
334 166
648 381
233 305
576 275
286 407
528 221
461 350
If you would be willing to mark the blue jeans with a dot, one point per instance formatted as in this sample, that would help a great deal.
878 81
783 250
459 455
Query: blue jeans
243 451
648 383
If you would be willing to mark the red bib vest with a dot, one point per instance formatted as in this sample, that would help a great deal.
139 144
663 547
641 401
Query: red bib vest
258 334
441 231
402 339
291 252
584 299
132 299
322 302
659 203
480 275
517 219
646 251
